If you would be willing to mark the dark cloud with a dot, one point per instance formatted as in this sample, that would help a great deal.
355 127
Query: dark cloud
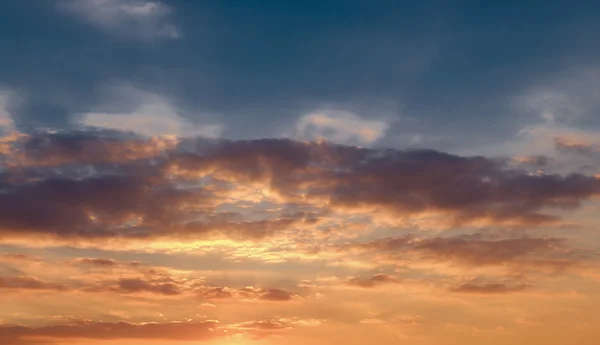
91 207
152 282
67 147
374 281
58 334
102 262
478 252
467 189
489 288
384 244
29 283
146 199
137 285
18 257
475 250
169 331
276 295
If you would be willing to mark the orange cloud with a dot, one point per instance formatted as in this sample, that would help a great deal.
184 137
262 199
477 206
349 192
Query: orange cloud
489 288
57 334
374 281
28 283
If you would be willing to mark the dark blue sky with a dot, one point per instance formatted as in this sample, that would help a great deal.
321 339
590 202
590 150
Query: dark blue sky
447 70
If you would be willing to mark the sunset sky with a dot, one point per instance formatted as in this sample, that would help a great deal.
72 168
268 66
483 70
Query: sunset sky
232 172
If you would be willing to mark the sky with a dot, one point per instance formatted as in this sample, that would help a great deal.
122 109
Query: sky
299 172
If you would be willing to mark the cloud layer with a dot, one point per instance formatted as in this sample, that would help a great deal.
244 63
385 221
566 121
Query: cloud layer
81 185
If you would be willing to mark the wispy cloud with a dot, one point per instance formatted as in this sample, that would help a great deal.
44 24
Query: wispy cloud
142 19
152 115
339 126
6 121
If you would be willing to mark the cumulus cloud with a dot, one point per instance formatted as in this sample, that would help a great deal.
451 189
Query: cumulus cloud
341 127
142 19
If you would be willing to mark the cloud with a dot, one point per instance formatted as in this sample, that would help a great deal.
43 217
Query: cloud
464 189
18 257
51 149
131 279
102 262
341 127
257 330
269 325
489 288
152 115
6 121
198 331
150 120
141 19
374 281
176 192
561 146
571 96
534 161
276 295
140 205
581 146
514 255
28 283
139 285
481 252
562 125
83 329
247 293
